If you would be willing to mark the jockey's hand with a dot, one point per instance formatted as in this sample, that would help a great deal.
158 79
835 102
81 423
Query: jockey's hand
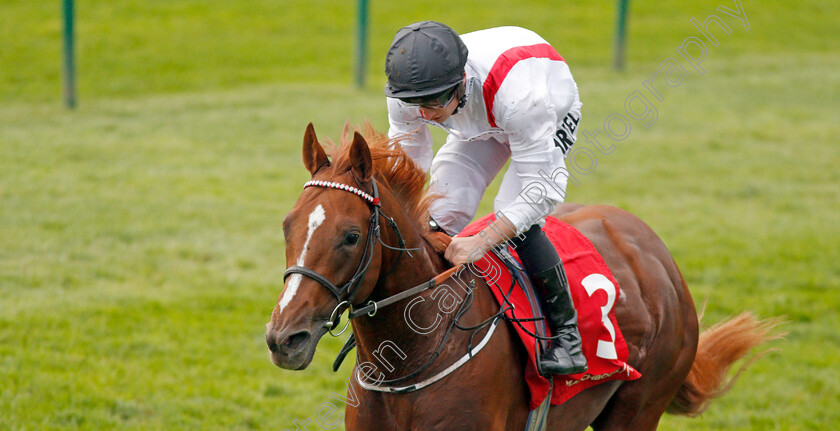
466 249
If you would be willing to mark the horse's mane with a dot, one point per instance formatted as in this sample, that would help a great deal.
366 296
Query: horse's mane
394 169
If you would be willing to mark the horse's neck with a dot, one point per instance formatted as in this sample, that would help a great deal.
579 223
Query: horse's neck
392 340
401 338
402 269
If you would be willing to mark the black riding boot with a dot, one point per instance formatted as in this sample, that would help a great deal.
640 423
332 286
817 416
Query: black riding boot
543 264
564 355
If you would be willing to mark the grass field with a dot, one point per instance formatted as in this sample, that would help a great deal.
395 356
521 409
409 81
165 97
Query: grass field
141 251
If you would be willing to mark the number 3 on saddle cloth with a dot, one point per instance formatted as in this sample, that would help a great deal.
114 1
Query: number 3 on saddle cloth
594 291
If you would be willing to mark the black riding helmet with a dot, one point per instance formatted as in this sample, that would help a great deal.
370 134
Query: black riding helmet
425 59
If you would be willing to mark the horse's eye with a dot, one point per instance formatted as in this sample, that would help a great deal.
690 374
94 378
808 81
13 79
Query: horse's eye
351 239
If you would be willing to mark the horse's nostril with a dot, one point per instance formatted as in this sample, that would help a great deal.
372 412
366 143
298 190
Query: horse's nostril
297 341
270 339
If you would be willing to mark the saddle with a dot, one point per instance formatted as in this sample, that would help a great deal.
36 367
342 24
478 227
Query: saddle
594 291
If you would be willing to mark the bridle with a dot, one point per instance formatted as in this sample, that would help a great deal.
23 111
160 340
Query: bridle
347 292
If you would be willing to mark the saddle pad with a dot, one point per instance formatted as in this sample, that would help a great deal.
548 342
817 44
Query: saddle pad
594 292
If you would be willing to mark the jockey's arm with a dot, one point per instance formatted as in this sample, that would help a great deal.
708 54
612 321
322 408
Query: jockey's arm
531 123
415 138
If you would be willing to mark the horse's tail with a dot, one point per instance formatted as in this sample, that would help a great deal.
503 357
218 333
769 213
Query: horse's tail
719 347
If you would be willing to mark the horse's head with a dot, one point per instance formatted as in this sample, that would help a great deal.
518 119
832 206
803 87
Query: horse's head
332 254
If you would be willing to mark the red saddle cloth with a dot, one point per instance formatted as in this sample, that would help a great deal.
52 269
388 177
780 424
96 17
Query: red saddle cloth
594 291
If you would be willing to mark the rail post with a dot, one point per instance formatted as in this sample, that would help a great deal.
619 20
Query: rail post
620 33
68 55
361 42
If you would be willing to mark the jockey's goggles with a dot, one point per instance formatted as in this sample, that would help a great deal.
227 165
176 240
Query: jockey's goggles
435 101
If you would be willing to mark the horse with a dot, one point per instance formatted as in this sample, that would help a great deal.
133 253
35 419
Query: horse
334 234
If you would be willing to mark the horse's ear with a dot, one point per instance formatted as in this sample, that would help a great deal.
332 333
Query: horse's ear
314 156
360 158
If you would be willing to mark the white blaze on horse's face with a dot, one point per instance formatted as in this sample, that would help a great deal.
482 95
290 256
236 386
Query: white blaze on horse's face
315 219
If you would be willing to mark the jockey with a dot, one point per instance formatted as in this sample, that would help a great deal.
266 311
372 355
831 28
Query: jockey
501 94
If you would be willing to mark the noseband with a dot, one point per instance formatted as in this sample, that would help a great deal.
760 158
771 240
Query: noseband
346 293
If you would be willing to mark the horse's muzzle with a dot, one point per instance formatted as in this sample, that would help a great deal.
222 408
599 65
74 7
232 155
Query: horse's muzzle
291 350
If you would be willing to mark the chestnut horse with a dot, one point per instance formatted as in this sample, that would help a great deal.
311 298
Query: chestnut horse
333 235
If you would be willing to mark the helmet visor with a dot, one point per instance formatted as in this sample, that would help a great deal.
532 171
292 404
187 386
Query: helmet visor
434 101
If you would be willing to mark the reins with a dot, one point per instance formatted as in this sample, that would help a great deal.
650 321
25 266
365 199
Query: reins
373 306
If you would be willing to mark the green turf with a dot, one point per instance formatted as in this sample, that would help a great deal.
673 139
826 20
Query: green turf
134 47
140 243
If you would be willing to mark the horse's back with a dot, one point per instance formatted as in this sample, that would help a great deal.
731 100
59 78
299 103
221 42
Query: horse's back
655 311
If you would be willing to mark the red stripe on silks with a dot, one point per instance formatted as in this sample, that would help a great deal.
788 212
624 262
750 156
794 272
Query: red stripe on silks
505 63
